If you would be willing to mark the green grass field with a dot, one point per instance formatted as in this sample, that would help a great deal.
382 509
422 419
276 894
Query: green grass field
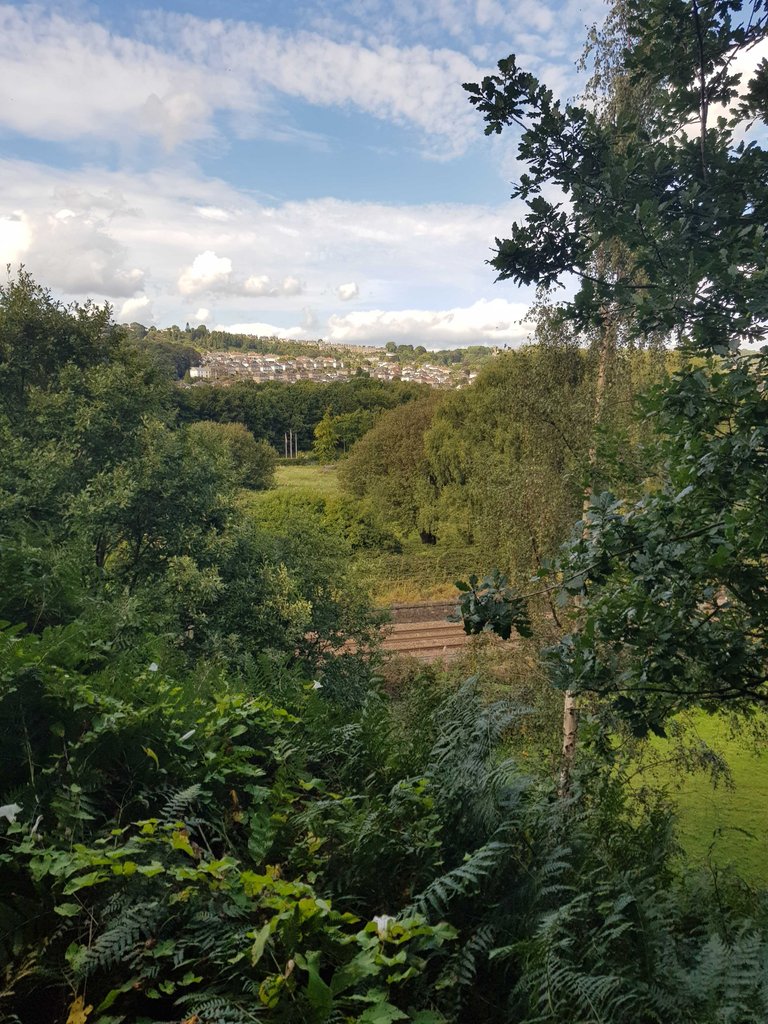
318 479
724 824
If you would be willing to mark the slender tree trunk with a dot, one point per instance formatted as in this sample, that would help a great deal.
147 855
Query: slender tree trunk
570 708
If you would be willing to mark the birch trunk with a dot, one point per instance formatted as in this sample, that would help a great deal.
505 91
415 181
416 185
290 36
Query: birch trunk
570 707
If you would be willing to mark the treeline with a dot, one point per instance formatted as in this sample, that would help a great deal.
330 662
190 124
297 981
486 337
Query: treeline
504 464
271 409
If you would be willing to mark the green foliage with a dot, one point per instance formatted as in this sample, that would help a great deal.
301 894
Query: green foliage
271 409
39 337
155 837
512 449
112 516
334 435
492 606
651 955
253 462
388 466
208 810
174 359
672 586
685 206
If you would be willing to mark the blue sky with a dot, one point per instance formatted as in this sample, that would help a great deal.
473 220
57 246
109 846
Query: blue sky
310 169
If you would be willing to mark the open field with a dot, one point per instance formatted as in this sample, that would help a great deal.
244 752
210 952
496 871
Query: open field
724 824
318 479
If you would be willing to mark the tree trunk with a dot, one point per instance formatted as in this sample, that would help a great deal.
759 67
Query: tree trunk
570 707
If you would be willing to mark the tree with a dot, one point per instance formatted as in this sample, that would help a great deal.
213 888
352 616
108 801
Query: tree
673 586
326 438
253 461
687 200
39 337
176 359
335 435
511 449
388 466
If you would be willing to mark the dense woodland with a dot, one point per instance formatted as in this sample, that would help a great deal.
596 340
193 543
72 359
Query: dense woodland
218 804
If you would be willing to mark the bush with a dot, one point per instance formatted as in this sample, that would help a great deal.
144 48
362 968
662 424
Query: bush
253 461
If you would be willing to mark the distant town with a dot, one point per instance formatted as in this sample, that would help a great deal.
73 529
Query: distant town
377 363
202 356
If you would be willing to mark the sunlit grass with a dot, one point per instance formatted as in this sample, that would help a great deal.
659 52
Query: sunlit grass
420 572
317 479
722 824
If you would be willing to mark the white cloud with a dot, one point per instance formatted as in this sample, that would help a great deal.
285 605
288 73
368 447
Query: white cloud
263 330
72 251
259 284
348 291
142 235
291 286
66 79
15 237
485 30
208 272
213 213
494 322
202 316
410 85
262 284
134 309
72 78
69 79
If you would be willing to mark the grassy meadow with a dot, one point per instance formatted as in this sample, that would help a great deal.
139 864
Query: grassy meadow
316 479
725 824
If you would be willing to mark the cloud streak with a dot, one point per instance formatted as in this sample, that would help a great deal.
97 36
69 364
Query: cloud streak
494 322
71 79
68 80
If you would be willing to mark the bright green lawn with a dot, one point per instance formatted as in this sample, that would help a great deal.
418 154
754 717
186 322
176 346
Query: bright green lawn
714 822
318 479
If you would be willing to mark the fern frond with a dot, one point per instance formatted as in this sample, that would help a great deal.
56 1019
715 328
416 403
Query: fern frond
120 938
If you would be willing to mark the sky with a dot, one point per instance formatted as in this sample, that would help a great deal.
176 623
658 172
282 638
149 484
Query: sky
303 169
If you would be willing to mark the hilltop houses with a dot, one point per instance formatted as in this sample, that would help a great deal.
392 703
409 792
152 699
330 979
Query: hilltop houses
224 367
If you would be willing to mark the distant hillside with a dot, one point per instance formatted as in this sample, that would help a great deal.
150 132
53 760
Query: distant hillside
354 356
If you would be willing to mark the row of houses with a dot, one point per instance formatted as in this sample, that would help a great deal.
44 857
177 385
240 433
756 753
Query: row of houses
225 367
